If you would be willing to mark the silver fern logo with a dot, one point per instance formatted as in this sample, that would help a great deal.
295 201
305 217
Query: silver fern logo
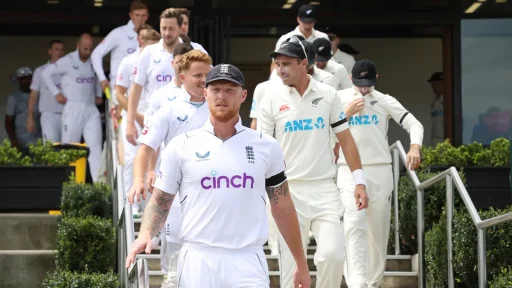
315 102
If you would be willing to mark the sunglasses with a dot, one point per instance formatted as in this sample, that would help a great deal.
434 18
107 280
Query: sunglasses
297 41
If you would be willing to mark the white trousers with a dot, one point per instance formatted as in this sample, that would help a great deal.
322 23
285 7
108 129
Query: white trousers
84 119
167 249
216 267
367 231
130 151
318 206
51 124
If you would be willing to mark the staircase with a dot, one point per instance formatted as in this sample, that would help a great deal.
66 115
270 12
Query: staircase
27 249
399 268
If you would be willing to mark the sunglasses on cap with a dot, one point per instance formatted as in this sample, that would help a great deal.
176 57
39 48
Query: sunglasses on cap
297 41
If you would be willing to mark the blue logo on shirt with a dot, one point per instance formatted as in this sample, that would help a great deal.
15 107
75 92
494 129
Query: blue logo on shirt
304 125
75 67
171 98
182 119
343 115
253 106
360 120
203 156
157 61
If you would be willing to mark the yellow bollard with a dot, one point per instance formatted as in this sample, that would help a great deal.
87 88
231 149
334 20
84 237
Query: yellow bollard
80 164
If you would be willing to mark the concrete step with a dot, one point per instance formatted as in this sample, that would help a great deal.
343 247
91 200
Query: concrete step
28 231
391 279
25 268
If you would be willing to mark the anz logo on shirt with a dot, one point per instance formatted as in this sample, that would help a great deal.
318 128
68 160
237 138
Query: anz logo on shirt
304 125
182 120
361 120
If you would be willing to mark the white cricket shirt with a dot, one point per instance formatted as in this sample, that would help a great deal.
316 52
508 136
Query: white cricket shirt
47 102
340 75
346 59
370 126
221 185
162 97
178 117
198 46
315 35
302 128
120 42
318 74
125 79
78 80
259 92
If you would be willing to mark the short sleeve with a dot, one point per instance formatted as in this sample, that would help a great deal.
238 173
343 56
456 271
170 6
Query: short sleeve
338 119
141 68
36 80
123 74
276 172
259 91
266 120
10 108
157 129
169 177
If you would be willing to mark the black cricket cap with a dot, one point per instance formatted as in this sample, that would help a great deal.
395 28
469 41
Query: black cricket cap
323 49
307 13
292 47
364 73
226 72
438 76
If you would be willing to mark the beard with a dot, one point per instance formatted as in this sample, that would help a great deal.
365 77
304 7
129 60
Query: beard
225 114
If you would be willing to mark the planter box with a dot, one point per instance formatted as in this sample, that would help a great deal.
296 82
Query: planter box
32 188
487 186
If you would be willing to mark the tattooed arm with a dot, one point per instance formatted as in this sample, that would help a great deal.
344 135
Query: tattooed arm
155 213
284 213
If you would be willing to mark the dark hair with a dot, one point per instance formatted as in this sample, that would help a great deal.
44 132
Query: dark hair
172 13
138 5
185 38
182 48
184 11
54 41
144 27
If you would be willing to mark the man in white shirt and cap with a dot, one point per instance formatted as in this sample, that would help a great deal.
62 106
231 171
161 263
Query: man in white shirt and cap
324 62
339 56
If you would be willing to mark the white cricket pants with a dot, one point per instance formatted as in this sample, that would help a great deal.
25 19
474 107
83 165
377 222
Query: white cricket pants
273 232
367 231
84 119
130 151
51 124
171 234
217 267
167 249
318 206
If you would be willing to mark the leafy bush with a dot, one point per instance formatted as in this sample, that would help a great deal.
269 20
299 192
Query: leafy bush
465 255
82 200
67 279
46 154
503 280
436 254
11 156
86 242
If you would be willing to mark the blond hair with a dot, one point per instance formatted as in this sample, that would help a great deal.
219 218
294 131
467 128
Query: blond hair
149 35
193 56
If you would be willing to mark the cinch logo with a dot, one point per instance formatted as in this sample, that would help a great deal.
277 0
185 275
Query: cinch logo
304 125
131 50
218 182
164 78
363 120
84 80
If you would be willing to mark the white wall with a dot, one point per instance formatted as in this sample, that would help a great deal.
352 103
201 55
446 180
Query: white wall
403 65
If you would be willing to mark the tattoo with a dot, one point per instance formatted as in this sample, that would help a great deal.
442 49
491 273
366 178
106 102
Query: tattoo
275 193
156 212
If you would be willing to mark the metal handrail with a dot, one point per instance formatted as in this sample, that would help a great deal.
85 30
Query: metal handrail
451 176
139 274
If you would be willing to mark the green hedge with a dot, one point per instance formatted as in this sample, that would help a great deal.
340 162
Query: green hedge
42 154
86 242
436 254
503 280
67 279
82 200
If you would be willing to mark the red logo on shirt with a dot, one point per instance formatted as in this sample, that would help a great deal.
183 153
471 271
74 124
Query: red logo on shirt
120 77
145 130
284 108
134 70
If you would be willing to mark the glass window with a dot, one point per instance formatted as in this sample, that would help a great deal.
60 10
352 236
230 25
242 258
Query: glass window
486 79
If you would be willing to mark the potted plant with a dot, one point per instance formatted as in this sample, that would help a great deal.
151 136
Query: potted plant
487 170
34 183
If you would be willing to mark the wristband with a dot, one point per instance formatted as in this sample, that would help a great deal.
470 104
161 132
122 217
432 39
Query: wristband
358 177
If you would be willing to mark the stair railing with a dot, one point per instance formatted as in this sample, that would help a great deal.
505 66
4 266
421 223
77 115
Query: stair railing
451 176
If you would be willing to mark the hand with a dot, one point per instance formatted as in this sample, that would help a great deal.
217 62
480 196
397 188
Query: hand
151 180
301 277
61 99
99 100
31 127
354 107
140 244
104 84
413 157
361 197
137 190
131 133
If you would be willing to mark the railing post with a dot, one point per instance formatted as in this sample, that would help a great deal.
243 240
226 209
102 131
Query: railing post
396 178
449 223
482 258
421 240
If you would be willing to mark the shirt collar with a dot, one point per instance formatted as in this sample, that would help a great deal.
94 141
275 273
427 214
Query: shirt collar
186 95
161 43
313 33
130 25
208 126
311 86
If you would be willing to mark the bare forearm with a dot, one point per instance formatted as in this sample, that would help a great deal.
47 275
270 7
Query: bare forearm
140 164
121 99
32 102
254 124
155 213
152 160
349 148
133 101
285 216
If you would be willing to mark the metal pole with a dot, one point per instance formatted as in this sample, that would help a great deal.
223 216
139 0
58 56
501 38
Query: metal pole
482 258
421 240
449 223
396 177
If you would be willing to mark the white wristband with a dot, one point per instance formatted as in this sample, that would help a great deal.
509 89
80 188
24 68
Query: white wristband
358 177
